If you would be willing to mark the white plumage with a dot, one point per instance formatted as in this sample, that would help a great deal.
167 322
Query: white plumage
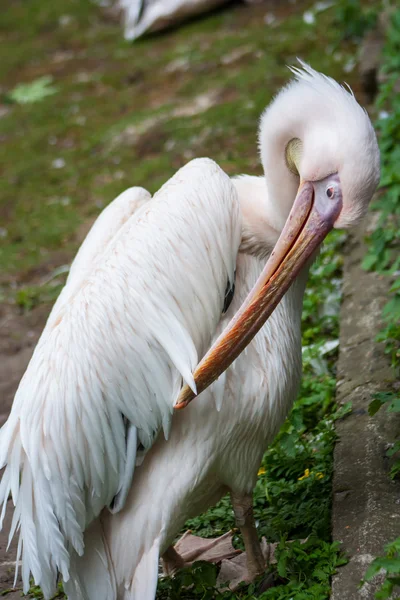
143 301
117 344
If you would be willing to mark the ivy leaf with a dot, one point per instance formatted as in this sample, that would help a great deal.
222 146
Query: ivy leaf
374 406
206 573
369 261
394 406
392 309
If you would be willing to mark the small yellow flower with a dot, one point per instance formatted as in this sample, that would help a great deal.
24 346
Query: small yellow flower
319 475
306 474
261 471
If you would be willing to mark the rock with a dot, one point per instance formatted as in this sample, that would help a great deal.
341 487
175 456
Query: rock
366 515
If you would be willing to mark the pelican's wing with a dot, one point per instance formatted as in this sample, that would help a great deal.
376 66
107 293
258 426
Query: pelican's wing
100 235
106 226
115 351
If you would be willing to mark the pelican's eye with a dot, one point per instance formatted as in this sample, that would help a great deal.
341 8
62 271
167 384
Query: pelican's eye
330 192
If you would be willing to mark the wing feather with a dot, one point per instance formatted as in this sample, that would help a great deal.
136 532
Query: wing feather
141 304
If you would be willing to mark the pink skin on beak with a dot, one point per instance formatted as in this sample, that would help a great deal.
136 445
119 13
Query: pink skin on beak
314 212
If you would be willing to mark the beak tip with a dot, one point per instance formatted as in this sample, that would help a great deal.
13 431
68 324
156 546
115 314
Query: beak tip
185 397
181 405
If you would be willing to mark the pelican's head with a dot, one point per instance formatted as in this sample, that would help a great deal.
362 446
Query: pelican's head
314 131
321 164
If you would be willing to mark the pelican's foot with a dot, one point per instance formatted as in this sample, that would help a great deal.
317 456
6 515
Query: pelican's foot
191 548
239 569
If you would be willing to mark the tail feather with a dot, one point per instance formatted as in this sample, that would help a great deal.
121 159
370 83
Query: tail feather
41 543
52 508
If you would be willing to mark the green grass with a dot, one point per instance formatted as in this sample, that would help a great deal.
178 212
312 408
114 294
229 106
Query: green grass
105 85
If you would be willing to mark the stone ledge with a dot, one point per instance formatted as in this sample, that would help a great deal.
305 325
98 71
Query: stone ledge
366 503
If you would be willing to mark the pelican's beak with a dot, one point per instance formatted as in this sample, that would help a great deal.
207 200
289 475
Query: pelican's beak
314 212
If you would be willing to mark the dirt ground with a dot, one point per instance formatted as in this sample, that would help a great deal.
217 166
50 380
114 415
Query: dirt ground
18 337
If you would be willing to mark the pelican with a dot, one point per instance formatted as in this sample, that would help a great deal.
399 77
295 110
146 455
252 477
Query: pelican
102 470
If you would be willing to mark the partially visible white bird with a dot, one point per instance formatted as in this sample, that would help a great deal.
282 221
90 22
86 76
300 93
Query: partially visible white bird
144 300
145 16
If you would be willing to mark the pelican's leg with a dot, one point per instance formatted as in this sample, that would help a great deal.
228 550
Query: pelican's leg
172 561
243 509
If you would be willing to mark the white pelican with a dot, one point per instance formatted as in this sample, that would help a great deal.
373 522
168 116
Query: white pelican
143 302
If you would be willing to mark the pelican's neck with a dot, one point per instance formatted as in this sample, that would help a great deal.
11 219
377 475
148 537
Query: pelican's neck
261 225
261 221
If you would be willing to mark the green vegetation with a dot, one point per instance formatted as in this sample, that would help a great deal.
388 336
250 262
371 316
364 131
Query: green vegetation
354 18
384 257
31 295
306 566
36 592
